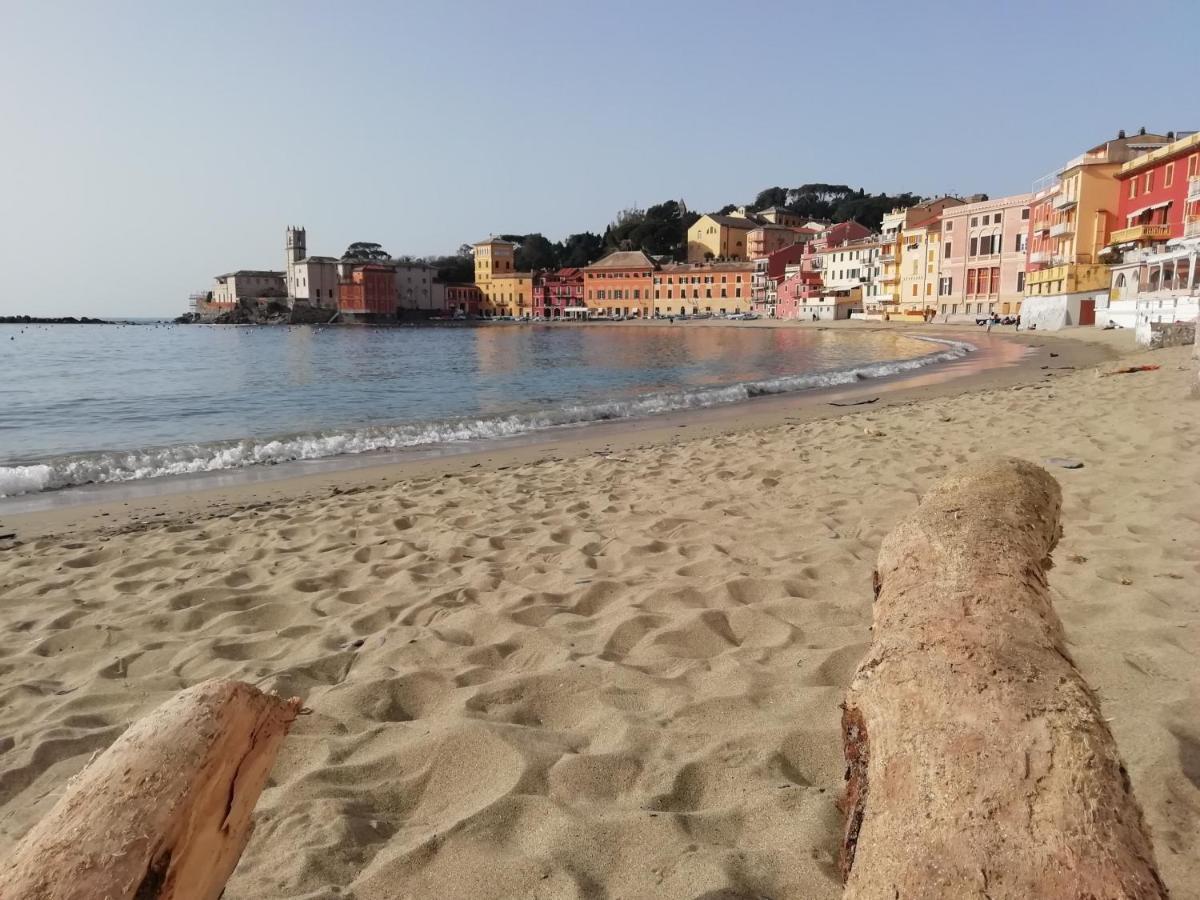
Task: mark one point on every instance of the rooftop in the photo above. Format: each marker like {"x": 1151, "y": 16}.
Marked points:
{"x": 625, "y": 259}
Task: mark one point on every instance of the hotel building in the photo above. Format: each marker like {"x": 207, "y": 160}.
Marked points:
{"x": 982, "y": 266}
{"x": 620, "y": 284}
{"x": 718, "y": 288}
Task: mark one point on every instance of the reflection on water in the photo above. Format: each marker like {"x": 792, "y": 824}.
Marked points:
{"x": 96, "y": 404}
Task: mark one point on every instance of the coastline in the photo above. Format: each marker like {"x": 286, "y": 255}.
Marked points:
{"x": 994, "y": 364}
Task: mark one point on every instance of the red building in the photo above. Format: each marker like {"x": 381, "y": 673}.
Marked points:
{"x": 1154, "y": 192}
{"x": 463, "y": 299}
{"x": 553, "y": 292}
{"x": 796, "y": 293}
{"x": 369, "y": 292}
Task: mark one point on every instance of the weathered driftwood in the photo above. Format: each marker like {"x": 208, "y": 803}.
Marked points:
{"x": 165, "y": 812}
{"x": 978, "y": 763}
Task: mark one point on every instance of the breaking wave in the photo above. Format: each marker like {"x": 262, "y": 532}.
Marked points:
{"x": 188, "y": 459}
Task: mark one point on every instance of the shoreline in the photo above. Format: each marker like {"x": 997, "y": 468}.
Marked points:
{"x": 138, "y": 503}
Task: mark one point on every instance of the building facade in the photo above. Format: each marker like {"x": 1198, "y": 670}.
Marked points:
{"x": 554, "y": 293}
{"x": 920, "y": 245}
{"x": 981, "y": 271}
{"x": 414, "y": 287}
{"x": 714, "y": 288}
{"x": 620, "y": 285}
{"x": 368, "y": 293}
{"x": 247, "y": 284}
{"x": 767, "y": 274}
{"x": 719, "y": 237}
{"x": 1067, "y": 275}
{"x": 462, "y": 300}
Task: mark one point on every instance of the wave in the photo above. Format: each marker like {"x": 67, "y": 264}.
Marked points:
{"x": 190, "y": 459}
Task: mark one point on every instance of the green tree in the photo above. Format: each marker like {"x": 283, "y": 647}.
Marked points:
{"x": 364, "y": 251}
{"x": 579, "y": 250}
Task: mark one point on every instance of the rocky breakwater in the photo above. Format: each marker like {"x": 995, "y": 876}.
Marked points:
{"x": 55, "y": 320}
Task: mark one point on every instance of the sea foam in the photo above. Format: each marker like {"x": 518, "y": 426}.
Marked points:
{"x": 190, "y": 459}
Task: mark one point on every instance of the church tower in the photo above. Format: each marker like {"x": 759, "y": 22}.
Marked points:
{"x": 296, "y": 251}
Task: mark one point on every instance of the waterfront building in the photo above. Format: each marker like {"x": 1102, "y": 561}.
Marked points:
{"x": 462, "y": 300}
{"x": 313, "y": 280}
{"x": 849, "y": 268}
{"x": 719, "y": 237}
{"x": 1154, "y": 257}
{"x": 506, "y": 292}
{"x": 367, "y": 292}
{"x": 767, "y": 273}
{"x": 798, "y": 294}
{"x": 887, "y": 298}
{"x": 620, "y": 284}
{"x": 554, "y": 293}
{"x": 712, "y": 288}
{"x": 919, "y": 243}
{"x": 982, "y": 261}
{"x": 415, "y": 287}
{"x": 246, "y": 284}
{"x": 1073, "y": 213}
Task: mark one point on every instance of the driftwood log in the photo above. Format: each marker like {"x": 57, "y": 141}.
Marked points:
{"x": 978, "y": 762}
{"x": 165, "y": 812}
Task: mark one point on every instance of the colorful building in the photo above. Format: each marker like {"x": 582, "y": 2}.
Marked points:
{"x": 766, "y": 239}
{"x": 849, "y": 265}
{"x": 919, "y": 248}
{"x": 1152, "y": 193}
{"x": 620, "y": 284}
{"x": 982, "y": 266}
{"x": 368, "y": 293}
{"x": 506, "y": 292}
{"x": 798, "y": 294}
{"x": 713, "y": 288}
{"x": 1072, "y": 217}
{"x": 887, "y": 299}
{"x": 462, "y": 300}
{"x": 768, "y": 272}
{"x": 719, "y": 237}
{"x": 554, "y": 293}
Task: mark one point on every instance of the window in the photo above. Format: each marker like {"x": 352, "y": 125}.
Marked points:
{"x": 974, "y": 221}
{"x": 1169, "y": 175}
{"x": 971, "y": 276}
{"x": 1025, "y": 214}
{"x": 1149, "y": 181}
{"x": 948, "y": 246}
{"x": 950, "y": 226}
{"x": 1020, "y": 242}
{"x": 1020, "y": 282}
{"x": 1132, "y": 188}
{"x": 974, "y": 246}
{"x": 1194, "y": 165}
{"x": 914, "y": 290}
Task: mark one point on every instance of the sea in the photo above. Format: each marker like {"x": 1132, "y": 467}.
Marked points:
{"x": 89, "y": 404}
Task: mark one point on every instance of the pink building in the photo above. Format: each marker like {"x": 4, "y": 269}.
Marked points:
{"x": 797, "y": 293}
{"x": 981, "y": 270}
{"x": 553, "y": 292}
{"x": 768, "y": 273}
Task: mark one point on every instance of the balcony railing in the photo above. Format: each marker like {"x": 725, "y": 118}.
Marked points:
{"x": 1141, "y": 233}
{"x": 888, "y": 278}
{"x": 887, "y": 256}
{"x": 1062, "y": 201}
{"x": 816, "y": 263}
{"x": 1062, "y": 228}
{"x": 1038, "y": 257}
{"x": 1194, "y": 188}
{"x": 1191, "y": 228}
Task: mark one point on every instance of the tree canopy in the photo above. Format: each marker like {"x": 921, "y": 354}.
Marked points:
{"x": 835, "y": 202}
{"x": 365, "y": 251}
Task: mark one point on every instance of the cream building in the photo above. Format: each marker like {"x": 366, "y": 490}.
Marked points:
{"x": 414, "y": 286}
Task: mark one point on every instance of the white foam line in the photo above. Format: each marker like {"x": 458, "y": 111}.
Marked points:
{"x": 186, "y": 459}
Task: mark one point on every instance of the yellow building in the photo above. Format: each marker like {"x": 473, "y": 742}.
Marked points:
{"x": 1071, "y": 221}
{"x": 718, "y": 288}
{"x": 506, "y": 292}
{"x": 719, "y": 237}
{"x": 920, "y": 244}
{"x": 890, "y": 251}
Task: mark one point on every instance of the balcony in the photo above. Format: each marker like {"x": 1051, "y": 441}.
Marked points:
{"x": 816, "y": 263}
{"x": 1062, "y": 201}
{"x": 1141, "y": 233}
{"x": 1039, "y": 256}
{"x": 1062, "y": 228}
{"x": 1191, "y": 228}
{"x": 888, "y": 278}
{"x": 1194, "y": 188}
{"x": 887, "y": 256}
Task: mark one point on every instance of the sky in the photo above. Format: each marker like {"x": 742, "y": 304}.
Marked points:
{"x": 146, "y": 147}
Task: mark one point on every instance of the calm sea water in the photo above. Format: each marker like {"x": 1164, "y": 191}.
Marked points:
{"x": 82, "y": 404}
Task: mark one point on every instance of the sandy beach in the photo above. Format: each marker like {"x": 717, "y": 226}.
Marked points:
{"x": 607, "y": 665}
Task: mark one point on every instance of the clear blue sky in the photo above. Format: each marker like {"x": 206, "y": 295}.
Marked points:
{"x": 148, "y": 146}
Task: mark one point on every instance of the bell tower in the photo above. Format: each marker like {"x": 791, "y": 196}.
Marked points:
{"x": 296, "y": 251}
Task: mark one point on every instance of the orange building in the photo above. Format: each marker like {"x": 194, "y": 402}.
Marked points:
{"x": 716, "y": 288}
{"x": 767, "y": 238}
{"x": 620, "y": 284}
{"x": 369, "y": 293}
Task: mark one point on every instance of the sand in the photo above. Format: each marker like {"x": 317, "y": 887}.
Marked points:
{"x": 616, "y": 674}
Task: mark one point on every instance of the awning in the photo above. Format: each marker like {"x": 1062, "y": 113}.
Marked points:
{"x": 1146, "y": 209}
{"x": 579, "y": 309}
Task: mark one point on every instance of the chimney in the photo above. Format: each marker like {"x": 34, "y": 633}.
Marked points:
{"x": 1142, "y": 130}
{"x": 1170, "y": 135}
{"x": 1121, "y": 134}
